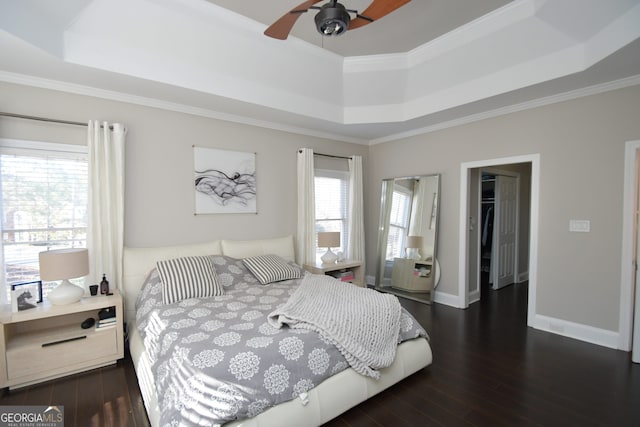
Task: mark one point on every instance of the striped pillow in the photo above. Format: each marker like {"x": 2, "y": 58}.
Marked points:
{"x": 271, "y": 268}
{"x": 188, "y": 277}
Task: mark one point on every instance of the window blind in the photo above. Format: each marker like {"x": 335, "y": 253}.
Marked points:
{"x": 398, "y": 224}
{"x": 332, "y": 204}
{"x": 44, "y": 206}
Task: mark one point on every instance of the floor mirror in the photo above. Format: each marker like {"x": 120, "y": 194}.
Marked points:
{"x": 407, "y": 264}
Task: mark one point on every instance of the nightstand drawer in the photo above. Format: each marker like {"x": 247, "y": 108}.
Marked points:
{"x": 60, "y": 352}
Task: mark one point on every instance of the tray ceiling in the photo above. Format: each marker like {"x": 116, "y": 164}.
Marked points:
{"x": 410, "y": 26}
{"x": 426, "y": 65}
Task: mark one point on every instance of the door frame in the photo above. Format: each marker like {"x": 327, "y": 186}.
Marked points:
{"x": 625, "y": 326}
{"x": 463, "y": 231}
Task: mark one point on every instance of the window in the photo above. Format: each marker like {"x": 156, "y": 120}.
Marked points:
{"x": 332, "y": 204}
{"x": 43, "y": 204}
{"x": 398, "y": 222}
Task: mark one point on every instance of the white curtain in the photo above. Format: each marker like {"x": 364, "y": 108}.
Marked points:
{"x": 416, "y": 226}
{"x": 355, "y": 239}
{"x": 306, "y": 238}
{"x": 105, "y": 235}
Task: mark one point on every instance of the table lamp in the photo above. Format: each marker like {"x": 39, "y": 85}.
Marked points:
{"x": 64, "y": 264}
{"x": 412, "y": 248}
{"x": 329, "y": 239}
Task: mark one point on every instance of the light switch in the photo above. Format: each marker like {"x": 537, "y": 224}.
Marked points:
{"x": 579, "y": 225}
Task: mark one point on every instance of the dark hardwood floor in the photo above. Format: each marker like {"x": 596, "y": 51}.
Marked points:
{"x": 107, "y": 396}
{"x": 488, "y": 369}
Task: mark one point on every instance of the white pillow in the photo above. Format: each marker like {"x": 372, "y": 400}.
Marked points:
{"x": 188, "y": 277}
{"x": 271, "y": 268}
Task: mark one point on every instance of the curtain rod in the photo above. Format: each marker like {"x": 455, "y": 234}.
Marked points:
{"x": 328, "y": 155}
{"x": 44, "y": 119}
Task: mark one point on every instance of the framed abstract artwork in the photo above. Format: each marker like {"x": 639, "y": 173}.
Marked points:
{"x": 224, "y": 181}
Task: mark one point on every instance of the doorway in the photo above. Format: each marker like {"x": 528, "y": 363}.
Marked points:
{"x": 498, "y": 232}
{"x": 502, "y": 233}
{"x": 629, "y": 337}
{"x": 635, "y": 351}
{"x": 468, "y": 267}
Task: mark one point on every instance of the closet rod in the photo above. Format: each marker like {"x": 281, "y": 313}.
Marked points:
{"x": 44, "y": 119}
{"x": 328, "y": 155}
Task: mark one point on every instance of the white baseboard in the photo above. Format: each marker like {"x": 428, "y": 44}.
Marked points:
{"x": 577, "y": 331}
{"x": 438, "y": 297}
{"x": 447, "y": 299}
{"x": 474, "y": 296}
{"x": 523, "y": 277}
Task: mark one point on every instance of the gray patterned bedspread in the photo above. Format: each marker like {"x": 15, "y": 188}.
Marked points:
{"x": 218, "y": 359}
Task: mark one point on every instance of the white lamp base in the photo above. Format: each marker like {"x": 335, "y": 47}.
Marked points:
{"x": 65, "y": 293}
{"x": 329, "y": 257}
{"x": 412, "y": 253}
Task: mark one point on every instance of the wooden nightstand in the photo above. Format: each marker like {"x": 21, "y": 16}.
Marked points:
{"x": 340, "y": 268}
{"x": 412, "y": 276}
{"x": 47, "y": 342}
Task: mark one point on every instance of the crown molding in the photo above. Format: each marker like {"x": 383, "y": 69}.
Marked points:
{"x": 77, "y": 89}
{"x": 493, "y": 22}
{"x": 540, "y": 102}
{"x": 376, "y": 63}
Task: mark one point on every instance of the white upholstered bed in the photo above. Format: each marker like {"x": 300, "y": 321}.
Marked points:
{"x": 328, "y": 399}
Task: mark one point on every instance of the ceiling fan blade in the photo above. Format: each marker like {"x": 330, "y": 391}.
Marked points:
{"x": 376, "y": 10}
{"x": 282, "y": 27}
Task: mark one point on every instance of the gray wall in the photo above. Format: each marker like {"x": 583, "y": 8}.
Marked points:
{"x": 581, "y": 147}
{"x": 159, "y": 163}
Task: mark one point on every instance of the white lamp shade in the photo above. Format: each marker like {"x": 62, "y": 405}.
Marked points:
{"x": 329, "y": 239}
{"x": 413, "y": 246}
{"x": 414, "y": 242}
{"x": 64, "y": 264}
{"x": 61, "y": 264}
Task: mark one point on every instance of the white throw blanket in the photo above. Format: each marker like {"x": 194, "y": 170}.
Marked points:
{"x": 362, "y": 323}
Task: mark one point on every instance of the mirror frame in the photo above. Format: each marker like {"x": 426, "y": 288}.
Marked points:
{"x": 382, "y": 226}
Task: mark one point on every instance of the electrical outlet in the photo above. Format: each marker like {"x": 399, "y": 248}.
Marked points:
{"x": 579, "y": 225}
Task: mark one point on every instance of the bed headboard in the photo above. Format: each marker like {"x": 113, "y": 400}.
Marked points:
{"x": 282, "y": 246}
{"x": 137, "y": 262}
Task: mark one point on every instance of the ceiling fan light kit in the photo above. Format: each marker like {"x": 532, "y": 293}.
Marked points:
{"x": 333, "y": 19}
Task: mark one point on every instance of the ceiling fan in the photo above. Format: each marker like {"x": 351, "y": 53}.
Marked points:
{"x": 333, "y": 18}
